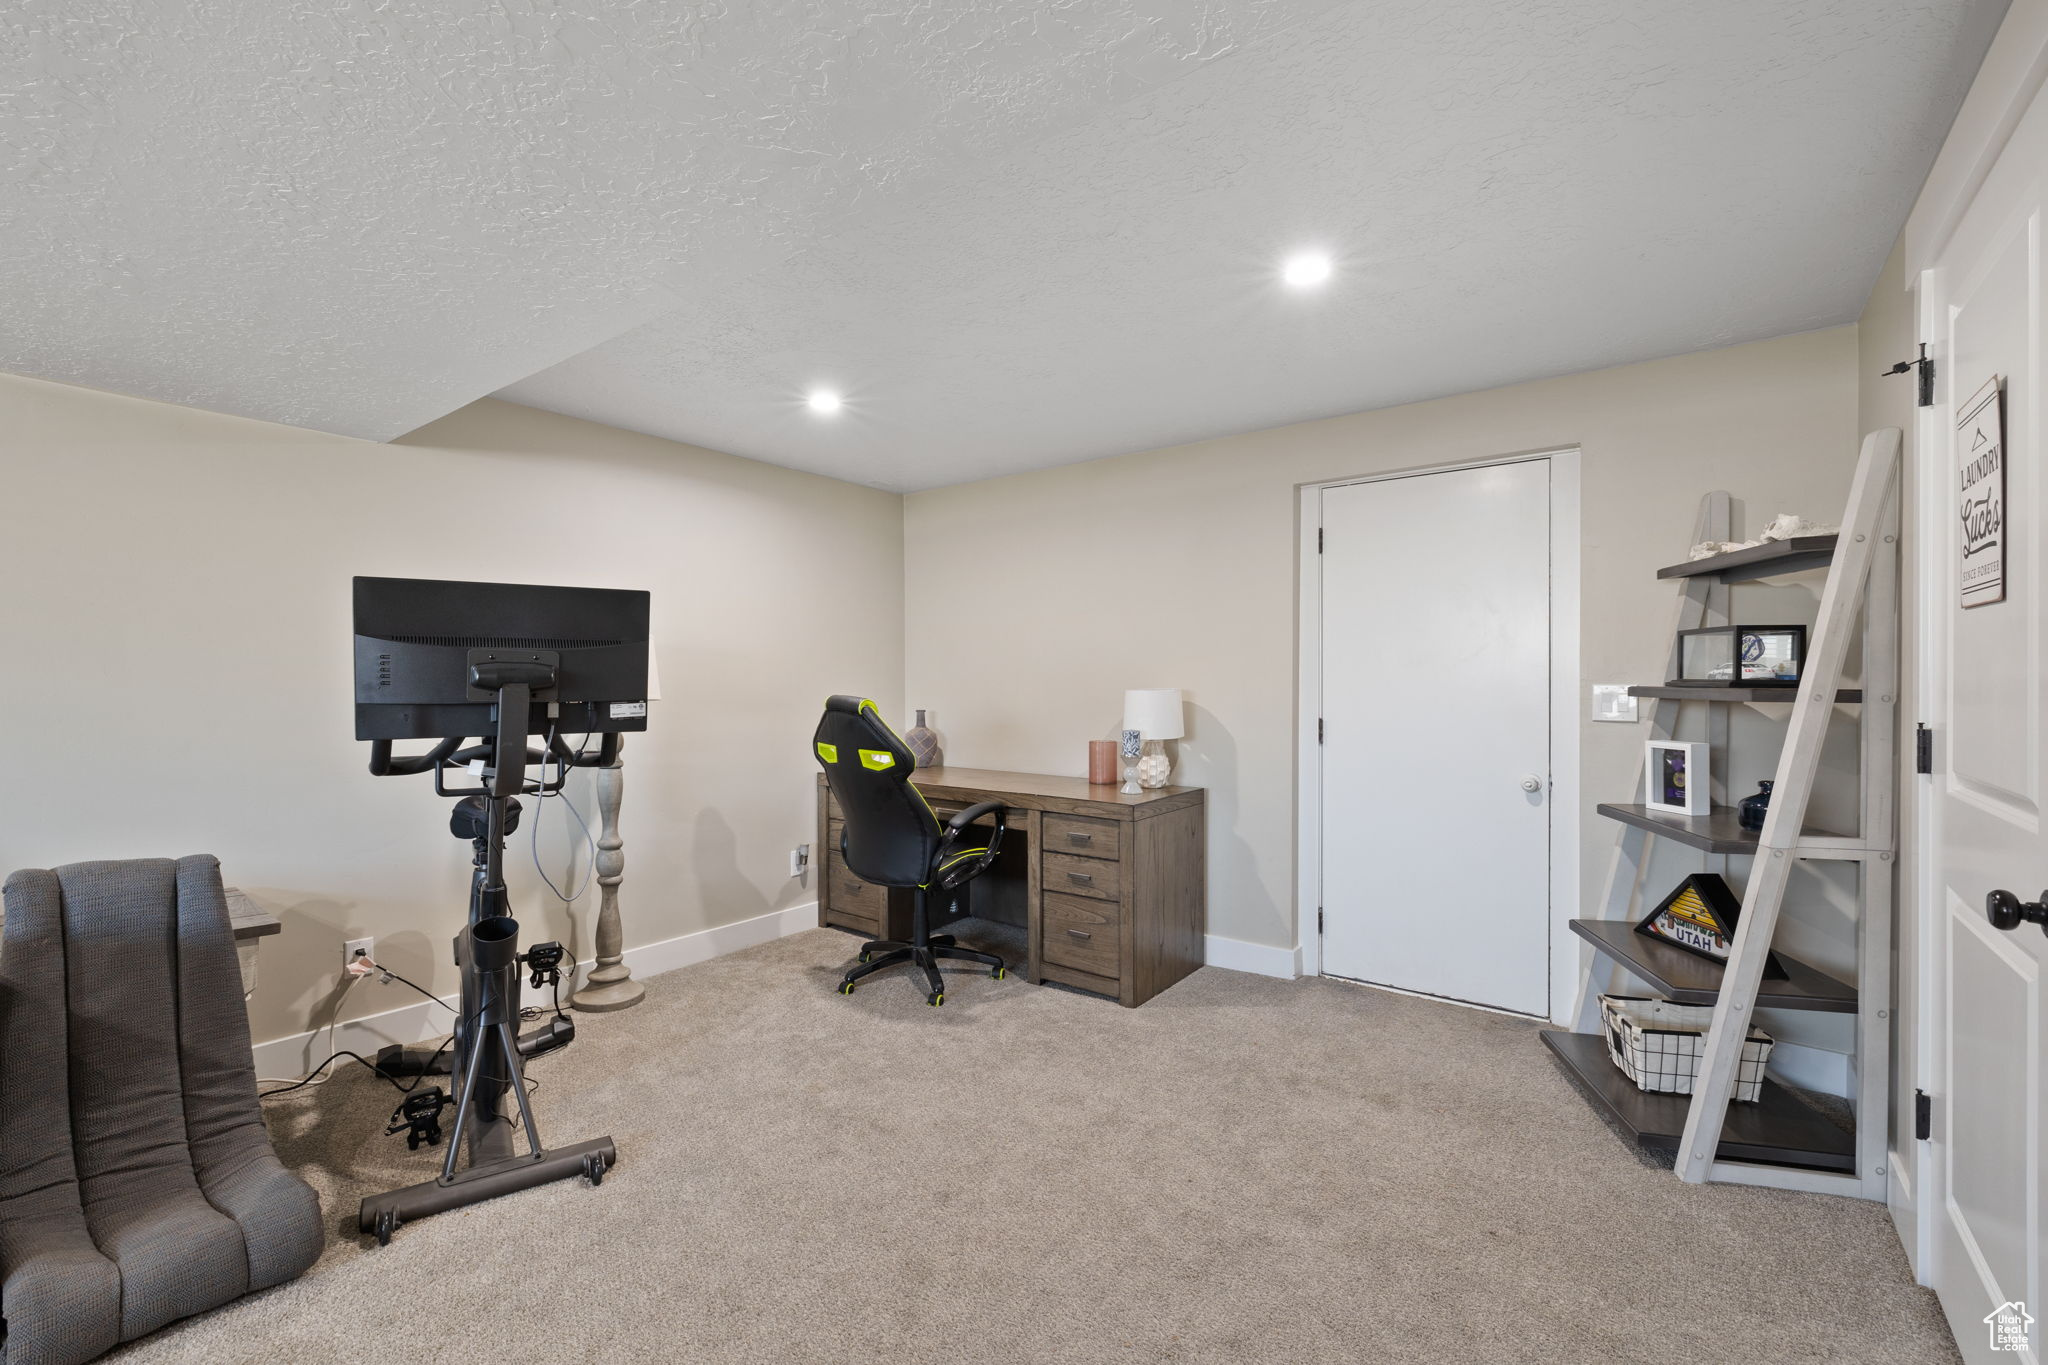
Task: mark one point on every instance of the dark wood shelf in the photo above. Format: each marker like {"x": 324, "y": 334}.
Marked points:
{"x": 1718, "y": 831}
{"x": 1738, "y": 694}
{"x": 1692, "y": 980}
{"x": 1760, "y": 561}
{"x": 1780, "y": 1128}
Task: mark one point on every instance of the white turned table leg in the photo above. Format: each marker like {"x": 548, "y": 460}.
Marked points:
{"x": 610, "y": 985}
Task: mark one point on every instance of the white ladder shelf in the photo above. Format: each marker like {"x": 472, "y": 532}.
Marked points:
{"x": 1778, "y": 1141}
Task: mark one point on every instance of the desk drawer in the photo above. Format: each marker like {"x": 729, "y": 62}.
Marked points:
{"x": 1082, "y": 876}
{"x": 1080, "y": 835}
{"x": 1082, "y": 934}
{"x": 859, "y": 924}
{"x": 848, "y": 894}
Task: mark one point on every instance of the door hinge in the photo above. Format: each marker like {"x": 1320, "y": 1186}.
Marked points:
{"x": 1319, "y": 540}
{"x": 1923, "y": 1115}
{"x": 1923, "y": 748}
{"x": 1319, "y": 729}
{"x": 1925, "y": 364}
{"x": 1319, "y": 919}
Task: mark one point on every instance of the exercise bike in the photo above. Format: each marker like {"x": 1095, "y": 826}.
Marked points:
{"x": 487, "y": 1054}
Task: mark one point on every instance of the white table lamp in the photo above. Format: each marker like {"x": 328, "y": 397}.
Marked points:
{"x": 1155, "y": 712}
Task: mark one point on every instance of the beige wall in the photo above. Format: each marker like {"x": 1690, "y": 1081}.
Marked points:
{"x": 177, "y": 625}
{"x": 1034, "y": 601}
{"x": 192, "y": 546}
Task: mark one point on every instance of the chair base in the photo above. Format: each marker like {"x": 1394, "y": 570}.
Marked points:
{"x": 877, "y": 954}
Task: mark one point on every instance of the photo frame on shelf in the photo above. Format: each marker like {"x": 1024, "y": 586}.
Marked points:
{"x": 1677, "y": 775}
{"x": 1699, "y": 916}
{"x": 1741, "y": 656}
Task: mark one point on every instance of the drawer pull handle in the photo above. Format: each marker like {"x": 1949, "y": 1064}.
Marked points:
{"x": 1086, "y": 879}
{"x": 1080, "y": 933}
{"x": 1074, "y": 838}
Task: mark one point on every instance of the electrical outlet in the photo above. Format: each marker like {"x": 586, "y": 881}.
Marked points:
{"x": 799, "y": 860}
{"x": 366, "y": 946}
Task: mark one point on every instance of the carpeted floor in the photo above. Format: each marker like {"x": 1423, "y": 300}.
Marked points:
{"x": 1242, "y": 1170}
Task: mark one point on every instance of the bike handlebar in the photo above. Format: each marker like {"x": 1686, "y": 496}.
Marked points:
{"x": 384, "y": 764}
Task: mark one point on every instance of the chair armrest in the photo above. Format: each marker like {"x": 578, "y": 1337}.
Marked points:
{"x": 950, "y": 868}
{"x": 973, "y": 813}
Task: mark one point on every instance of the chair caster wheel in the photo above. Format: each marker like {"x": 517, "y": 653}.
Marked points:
{"x": 866, "y": 956}
{"x": 999, "y": 973}
{"x": 593, "y": 1168}
{"x": 387, "y": 1223}
{"x": 935, "y": 998}
{"x": 846, "y": 988}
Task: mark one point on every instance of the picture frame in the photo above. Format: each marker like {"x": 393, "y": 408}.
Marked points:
{"x": 1699, "y": 917}
{"x": 1677, "y": 776}
{"x": 1741, "y": 656}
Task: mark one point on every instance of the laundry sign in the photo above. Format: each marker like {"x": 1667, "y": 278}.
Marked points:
{"x": 1980, "y": 451}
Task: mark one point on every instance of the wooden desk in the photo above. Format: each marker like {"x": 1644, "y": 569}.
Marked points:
{"x": 1110, "y": 889}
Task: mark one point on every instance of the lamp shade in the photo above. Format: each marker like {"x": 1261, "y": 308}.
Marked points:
{"x": 1154, "y": 712}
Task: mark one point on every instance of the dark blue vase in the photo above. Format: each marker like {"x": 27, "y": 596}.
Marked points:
{"x": 1751, "y": 809}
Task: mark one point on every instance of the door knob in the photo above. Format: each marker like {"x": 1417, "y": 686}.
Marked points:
{"x": 2007, "y": 911}
{"x": 1532, "y": 783}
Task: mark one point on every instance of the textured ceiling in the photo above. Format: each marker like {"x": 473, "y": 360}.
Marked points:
{"x": 357, "y": 215}
{"x": 1012, "y": 235}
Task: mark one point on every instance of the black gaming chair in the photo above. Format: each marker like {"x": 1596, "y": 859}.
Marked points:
{"x": 892, "y": 837}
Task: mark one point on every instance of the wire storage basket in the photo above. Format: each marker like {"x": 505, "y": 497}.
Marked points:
{"x": 1657, "y": 1045}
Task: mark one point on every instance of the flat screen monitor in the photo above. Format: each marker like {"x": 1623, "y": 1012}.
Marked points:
{"x": 415, "y": 638}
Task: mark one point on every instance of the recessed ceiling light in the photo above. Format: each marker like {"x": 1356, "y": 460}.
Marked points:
{"x": 824, "y": 402}
{"x": 1306, "y": 270}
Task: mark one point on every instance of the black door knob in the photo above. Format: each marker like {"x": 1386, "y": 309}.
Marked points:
{"x": 2007, "y": 911}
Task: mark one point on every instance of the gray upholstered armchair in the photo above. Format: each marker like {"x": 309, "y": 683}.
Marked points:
{"x": 137, "y": 1183}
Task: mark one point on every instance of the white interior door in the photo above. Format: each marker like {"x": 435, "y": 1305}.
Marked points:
{"x": 1983, "y": 308}
{"x": 1436, "y": 738}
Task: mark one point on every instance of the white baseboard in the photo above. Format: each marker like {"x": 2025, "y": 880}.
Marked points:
{"x": 1257, "y": 958}
{"x": 294, "y": 1056}
{"x": 1815, "y": 1068}
{"x": 1904, "y": 1206}
{"x": 652, "y": 959}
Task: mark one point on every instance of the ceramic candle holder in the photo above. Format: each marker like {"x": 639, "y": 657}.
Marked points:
{"x": 1101, "y": 762}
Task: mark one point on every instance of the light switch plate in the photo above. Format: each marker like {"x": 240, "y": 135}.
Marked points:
{"x": 1611, "y": 702}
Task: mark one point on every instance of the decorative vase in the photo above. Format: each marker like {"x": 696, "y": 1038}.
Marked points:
{"x": 1750, "y": 811}
{"x": 1101, "y": 762}
{"x": 923, "y": 744}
